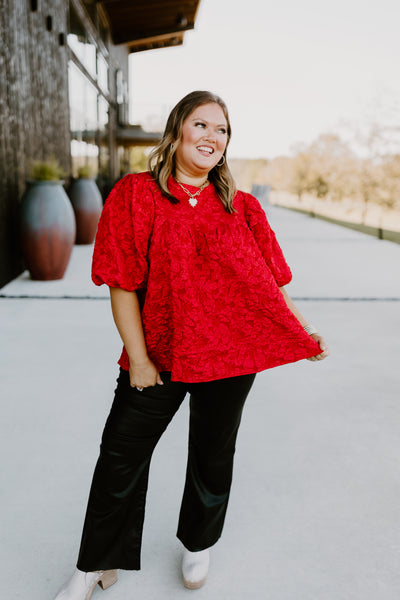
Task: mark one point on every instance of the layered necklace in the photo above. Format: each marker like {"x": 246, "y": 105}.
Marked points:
{"x": 193, "y": 197}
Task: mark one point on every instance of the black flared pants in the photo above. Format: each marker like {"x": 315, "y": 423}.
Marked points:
{"x": 112, "y": 531}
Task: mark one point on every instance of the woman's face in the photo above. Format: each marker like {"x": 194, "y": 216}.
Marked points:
{"x": 203, "y": 141}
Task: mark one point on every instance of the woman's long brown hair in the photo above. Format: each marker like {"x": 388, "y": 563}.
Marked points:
{"x": 162, "y": 157}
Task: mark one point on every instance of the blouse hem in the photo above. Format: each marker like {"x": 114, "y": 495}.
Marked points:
{"x": 226, "y": 375}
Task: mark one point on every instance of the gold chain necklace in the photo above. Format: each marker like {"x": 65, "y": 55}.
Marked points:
{"x": 193, "y": 197}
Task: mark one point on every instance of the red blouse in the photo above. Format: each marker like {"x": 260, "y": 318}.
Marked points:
{"x": 207, "y": 280}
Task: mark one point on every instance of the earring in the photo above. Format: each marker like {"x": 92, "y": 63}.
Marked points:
{"x": 223, "y": 161}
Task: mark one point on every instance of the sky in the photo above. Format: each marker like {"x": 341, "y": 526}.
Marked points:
{"x": 288, "y": 70}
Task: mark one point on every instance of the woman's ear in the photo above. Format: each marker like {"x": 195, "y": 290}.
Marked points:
{"x": 174, "y": 145}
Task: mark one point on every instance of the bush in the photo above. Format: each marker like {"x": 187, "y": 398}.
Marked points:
{"x": 86, "y": 172}
{"x": 47, "y": 170}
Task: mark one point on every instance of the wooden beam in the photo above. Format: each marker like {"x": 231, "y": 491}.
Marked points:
{"x": 139, "y": 47}
{"x": 131, "y": 37}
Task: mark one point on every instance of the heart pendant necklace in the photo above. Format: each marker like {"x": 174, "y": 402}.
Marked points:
{"x": 193, "y": 197}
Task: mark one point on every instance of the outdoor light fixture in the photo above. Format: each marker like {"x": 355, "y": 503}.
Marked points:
{"x": 181, "y": 20}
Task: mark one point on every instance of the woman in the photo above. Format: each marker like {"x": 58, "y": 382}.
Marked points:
{"x": 196, "y": 281}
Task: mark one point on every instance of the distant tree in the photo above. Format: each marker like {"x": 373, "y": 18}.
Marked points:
{"x": 320, "y": 187}
{"x": 301, "y": 176}
{"x": 278, "y": 172}
{"x": 138, "y": 159}
{"x": 390, "y": 177}
{"x": 334, "y": 167}
{"x": 377, "y": 138}
{"x": 248, "y": 172}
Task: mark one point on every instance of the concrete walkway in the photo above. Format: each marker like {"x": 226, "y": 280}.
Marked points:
{"x": 315, "y": 505}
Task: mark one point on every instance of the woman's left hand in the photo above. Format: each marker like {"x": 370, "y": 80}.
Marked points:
{"x": 323, "y": 345}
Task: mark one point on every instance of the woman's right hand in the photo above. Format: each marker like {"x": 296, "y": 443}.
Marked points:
{"x": 127, "y": 316}
{"x": 144, "y": 374}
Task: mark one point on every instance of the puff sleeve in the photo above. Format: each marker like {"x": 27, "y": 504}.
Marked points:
{"x": 122, "y": 240}
{"x": 266, "y": 240}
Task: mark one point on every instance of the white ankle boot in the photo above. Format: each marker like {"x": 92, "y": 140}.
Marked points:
{"x": 195, "y": 568}
{"x": 81, "y": 584}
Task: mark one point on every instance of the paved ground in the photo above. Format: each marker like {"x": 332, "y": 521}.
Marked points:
{"x": 314, "y": 512}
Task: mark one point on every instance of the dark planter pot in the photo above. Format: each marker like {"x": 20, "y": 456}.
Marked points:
{"x": 87, "y": 204}
{"x": 47, "y": 229}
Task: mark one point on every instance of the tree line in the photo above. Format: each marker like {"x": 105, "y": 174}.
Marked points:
{"x": 328, "y": 168}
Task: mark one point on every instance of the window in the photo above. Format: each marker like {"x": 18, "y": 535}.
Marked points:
{"x": 89, "y": 106}
{"x": 80, "y": 43}
{"x": 102, "y": 72}
{"x": 89, "y": 123}
{"x": 122, "y": 98}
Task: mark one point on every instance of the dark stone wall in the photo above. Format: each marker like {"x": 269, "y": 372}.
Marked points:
{"x": 34, "y": 114}
{"x": 34, "y": 105}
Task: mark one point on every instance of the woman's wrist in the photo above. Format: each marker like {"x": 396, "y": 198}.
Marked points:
{"x": 139, "y": 361}
{"x": 310, "y": 329}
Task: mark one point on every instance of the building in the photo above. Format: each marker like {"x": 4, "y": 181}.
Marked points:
{"x": 64, "y": 90}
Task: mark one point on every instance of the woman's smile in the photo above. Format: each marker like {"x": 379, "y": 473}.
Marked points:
{"x": 205, "y": 150}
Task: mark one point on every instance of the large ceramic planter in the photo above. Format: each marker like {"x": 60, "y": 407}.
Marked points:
{"x": 47, "y": 229}
{"x": 87, "y": 204}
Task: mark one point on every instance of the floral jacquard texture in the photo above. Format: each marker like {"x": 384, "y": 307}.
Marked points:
{"x": 208, "y": 281}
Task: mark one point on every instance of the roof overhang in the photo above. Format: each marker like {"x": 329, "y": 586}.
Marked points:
{"x": 127, "y": 136}
{"x": 134, "y": 135}
{"x": 148, "y": 24}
